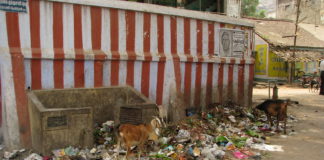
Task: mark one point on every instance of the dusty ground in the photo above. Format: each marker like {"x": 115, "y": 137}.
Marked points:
{"x": 308, "y": 143}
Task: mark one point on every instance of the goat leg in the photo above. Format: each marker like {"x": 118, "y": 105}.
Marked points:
{"x": 285, "y": 125}
{"x": 278, "y": 117}
{"x": 269, "y": 119}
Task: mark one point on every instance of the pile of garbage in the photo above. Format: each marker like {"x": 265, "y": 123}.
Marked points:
{"x": 221, "y": 132}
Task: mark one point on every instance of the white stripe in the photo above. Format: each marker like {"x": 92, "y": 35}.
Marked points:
{"x": 122, "y": 72}
{"x": 27, "y": 73}
{"x": 24, "y": 31}
{"x": 235, "y": 83}
{"x": 246, "y": 84}
{"x": 168, "y": 82}
{"x": 137, "y": 75}
{"x": 46, "y": 29}
{"x": 216, "y": 38}
{"x": 182, "y": 70}
{"x": 205, "y": 38}
{"x": 193, "y": 84}
{"x": 154, "y": 37}
{"x": 105, "y": 30}
{"x": 68, "y": 74}
{"x": 225, "y": 83}
{"x": 180, "y": 36}
{"x": 167, "y": 35}
{"x": 122, "y": 31}
{"x": 139, "y": 33}
{"x": 203, "y": 85}
{"x": 47, "y": 74}
{"x": 86, "y": 27}
{"x": 10, "y": 118}
{"x": 215, "y": 83}
{"x": 89, "y": 73}
{"x": 153, "y": 80}
{"x": 68, "y": 27}
{"x": 193, "y": 37}
{"x": 3, "y": 31}
{"x": 106, "y": 73}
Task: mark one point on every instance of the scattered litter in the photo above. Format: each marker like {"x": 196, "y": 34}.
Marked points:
{"x": 183, "y": 136}
{"x": 34, "y": 156}
{"x": 266, "y": 147}
{"x": 220, "y": 132}
{"x": 239, "y": 155}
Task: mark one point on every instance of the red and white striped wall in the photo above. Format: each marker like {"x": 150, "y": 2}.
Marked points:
{"x": 74, "y": 45}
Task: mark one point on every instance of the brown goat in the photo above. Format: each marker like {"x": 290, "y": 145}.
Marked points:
{"x": 137, "y": 135}
{"x": 277, "y": 108}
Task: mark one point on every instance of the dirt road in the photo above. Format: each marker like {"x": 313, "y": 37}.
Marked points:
{"x": 308, "y": 143}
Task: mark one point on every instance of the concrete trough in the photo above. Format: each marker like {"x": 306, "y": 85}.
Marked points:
{"x": 64, "y": 117}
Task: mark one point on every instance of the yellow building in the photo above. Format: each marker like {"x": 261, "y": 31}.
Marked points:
{"x": 274, "y": 50}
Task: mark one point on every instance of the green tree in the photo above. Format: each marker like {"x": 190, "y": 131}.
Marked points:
{"x": 249, "y": 8}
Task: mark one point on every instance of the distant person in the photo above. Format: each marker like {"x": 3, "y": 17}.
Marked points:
{"x": 322, "y": 77}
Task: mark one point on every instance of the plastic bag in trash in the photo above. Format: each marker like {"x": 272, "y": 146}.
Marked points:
{"x": 34, "y": 156}
{"x": 183, "y": 136}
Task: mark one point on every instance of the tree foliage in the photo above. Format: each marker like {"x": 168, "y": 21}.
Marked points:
{"x": 249, "y": 8}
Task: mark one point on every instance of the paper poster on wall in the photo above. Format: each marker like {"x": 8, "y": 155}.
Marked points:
{"x": 232, "y": 43}
{"x": 277, "y": 66}
{"x": 261, "y": 59}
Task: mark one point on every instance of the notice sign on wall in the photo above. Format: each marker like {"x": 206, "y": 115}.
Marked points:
{"x": 238, "y": 43}
{"x": 13, "y": 5}
{"x": 233, "y": 43}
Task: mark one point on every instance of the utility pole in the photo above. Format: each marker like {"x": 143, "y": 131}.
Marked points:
{"x": 292, "y": 71}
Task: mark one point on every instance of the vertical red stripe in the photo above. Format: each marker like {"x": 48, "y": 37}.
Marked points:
{"x": 240, "y": 92}
{"x": 145, "y": 78}
{"x": 114, "y": 29}
{"x": 251, "y": 75}
{"x": 35, "y": 43}
{"x": 220, "y": 82}
{"x": 174, "y": 52}
{"x": 98, "y": 73}
{"x": 187, "y": 36}
{"x": 77, "y": 27}
{"x": 130, "y": 45}
{"x": 147, "y": 32}
{"x": 187, "y": 82}
{"x": 78, "y": 64}
{"x": 198, "y": 84}
{"x": 114, "y": 77}
{"x": 96, "y": 27}
{"x": 230, "y": 79}
{"x": 114, "y": 39}
{"x": 58, "y": 45}
{"x": 130, "y": 73}
{"x": 198, "y": 66}
{"x": 17, "y": 61}
{"x": 96, "y": 44}
{"x": 160, "y": 31}
{"x": 209, "y": 85}
{"x": 160, "y": 82}
{"x": 130, "y": 31}
{"x": 173, "y": 35}
{"x": 34, "y": 23}
{"x": 211, "y": 38}
{"x": 199, "y": 37}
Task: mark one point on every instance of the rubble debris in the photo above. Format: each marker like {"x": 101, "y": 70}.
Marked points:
{"x": 266, "y": 147}
{"x": 34, "y": 156}
{"x": 226, "y": 131}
